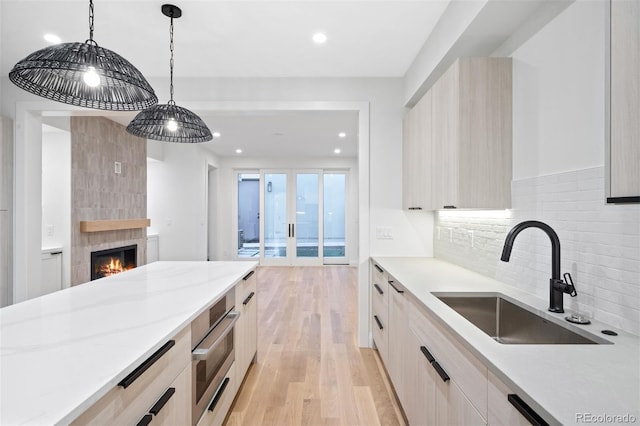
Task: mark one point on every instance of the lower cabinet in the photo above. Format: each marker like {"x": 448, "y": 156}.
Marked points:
{"x": 246, "y": 329}
{"x": 453, "y": 407}
{"x": 137, "y": 394}
{"x": 169, "y": 409}
{"x": 502, "y": 410}
{"x": 219, "y": 407}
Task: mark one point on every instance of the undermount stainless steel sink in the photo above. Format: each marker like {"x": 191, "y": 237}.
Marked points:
{"x": 509, "y": 323}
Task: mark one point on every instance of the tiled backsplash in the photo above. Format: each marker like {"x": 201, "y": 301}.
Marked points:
{"x": 600, "y": 244}
{"x": 98, "y": 193}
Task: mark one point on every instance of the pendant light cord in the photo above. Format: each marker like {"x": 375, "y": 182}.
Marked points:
{"x": 90, "y": 41}
{"x": 171, "y": 101}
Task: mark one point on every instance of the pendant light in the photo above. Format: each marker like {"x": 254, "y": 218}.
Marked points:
{"x": 170, "y": 122}
{"x": 84, "y": 74}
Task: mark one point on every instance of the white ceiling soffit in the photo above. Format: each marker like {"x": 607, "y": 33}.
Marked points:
{"x": 278, "y": 134}
{"x": 366, "y": 38}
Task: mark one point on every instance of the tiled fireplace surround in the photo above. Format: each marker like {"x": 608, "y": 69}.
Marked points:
{"x": 98, "y": 193}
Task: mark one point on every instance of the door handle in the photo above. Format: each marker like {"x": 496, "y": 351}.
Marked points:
{"x": 293, "y": 230}
{"x": 289, "y": 233}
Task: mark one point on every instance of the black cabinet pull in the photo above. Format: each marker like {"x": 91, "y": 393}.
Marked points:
{"x": 378, "y": 268}
{"x": 293, "y": 230}
{"x": 216, "y": 398}
{"x": 415, "y": 208}
{"x": 377, "y": 287}
{"x": 145, "y": 420}
{"x": 427, "y": 354}
{"x": 443, "y": 374}
{"x": 395, "y": 288}
{"x": 246, "y": 277}
{"x": 289, "y": 234}
{"x": 249, "y": 297}
{"x": 375, "y": 317}
{"x": 449, "y": 207}
{"x": 526, "y": 411}
{"x": 162, "y": 401}
{"x": 127, "y": 381}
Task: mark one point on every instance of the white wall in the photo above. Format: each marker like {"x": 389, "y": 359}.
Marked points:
{"x": 56, "y": 196}
{"x": 558, "y": 94}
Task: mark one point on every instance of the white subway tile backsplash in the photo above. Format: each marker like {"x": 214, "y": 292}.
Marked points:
{"x": 600, "y": 244}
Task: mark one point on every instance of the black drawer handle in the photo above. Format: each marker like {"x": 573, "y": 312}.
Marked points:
{"x": 249, "y": 297}
{"x": 443, "y": 374}
{"x": 526, "y": 411}
{"x": 145, "y": 420}
{"x": 127, "y": 381}
{"x": 395, "y": 288}
{"x": 378, "y": 268}
{"x": 427, "y": 354}
{"x": 375, "y": 317}
{"x": 246, "y": 277}
{"x": 415, "y": 208}
{"x": 216, "y": 398}
{"x": 449, "y": 207}
{"x": 377, "y": 287}
{"x": 162, "y": 401}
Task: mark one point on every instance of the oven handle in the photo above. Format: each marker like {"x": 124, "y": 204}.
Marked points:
{"x": 203, "y": 353}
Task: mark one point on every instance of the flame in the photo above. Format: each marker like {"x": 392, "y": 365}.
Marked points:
{"x": 114, "y": 266}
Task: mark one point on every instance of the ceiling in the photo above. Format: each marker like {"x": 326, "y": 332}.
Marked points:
{"x": 366, "y": 38}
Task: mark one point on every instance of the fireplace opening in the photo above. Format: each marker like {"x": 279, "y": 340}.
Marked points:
{"x": 113, "y": 261}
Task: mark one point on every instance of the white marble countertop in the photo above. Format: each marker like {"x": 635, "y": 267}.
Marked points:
{"x": 61, "y": 352}
{"x": 558, "y": 381}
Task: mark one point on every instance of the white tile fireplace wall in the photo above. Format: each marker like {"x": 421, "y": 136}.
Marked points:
{"x": 98, "y": 193}
{"x": 600, "y": 244}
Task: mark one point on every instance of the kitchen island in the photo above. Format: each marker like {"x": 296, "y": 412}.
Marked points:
{"x": 61, "y": 353}
{"x": 562, "y": 383}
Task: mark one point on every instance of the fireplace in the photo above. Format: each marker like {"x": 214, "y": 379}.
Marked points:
{"x": 113, "y": 261}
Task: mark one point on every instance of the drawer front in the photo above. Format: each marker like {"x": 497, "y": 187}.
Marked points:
{"x": 224, "y": 397}
{"x": 501, "y": 411}
{"x": 177, "y": 409}
{"x": 128, "y": 405}
{"x": 380, "y": 305}
{"x": 380, "y": 336}
{"x": 244, "y": 288}
{"x": 380, "y": 279}
{"x": 463, "y": 368}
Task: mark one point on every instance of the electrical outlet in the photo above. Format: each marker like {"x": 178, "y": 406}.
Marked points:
{"x": 117, "y": 167}
{"x": 388, "y": 233}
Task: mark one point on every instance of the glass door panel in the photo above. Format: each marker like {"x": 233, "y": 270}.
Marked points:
{"x": 276, "y": 222}
{"x": 306, "y": 225}
{"x": 334, "y": 217}
{"x": 248, "y": 215}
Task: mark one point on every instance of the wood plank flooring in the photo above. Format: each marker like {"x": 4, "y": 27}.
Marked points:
{"x": 310, "y": 370}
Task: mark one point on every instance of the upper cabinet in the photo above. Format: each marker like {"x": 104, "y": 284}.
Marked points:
{"x": 624, "y": 144}
{"x": 416, "y": 156}
{"x": 466, "y": 140}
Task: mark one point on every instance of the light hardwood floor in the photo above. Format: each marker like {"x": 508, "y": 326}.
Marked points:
{"x": 310, "y": 370}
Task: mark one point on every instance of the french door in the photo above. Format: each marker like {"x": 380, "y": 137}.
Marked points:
{"x": 292, "y": 217}
{"x": 291, "y": 222}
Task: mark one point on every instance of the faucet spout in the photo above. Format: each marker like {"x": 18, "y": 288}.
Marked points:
{"x": 556, "y": 285}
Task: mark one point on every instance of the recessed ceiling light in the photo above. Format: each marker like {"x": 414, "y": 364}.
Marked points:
{"x": 238, "y": 151}
{"x": 319, "y": 38}
{"x": 337, "y": 151}
{"x": 52, "y": 38}
{"x": 216, "y": 134}
{"x": 342, "y": 135}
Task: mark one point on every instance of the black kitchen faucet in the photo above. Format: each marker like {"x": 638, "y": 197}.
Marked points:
{"x": 557, "y": 287}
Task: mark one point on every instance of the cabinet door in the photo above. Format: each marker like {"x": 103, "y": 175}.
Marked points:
{"x": 625, "y": 99}
{"x": 445, "y": 122}
{"x": 453, "y": 407}
{"x": 416, "y": 155}
{"x": 51, "y": 274}
{"x": 223, "y": 399}
{"x": 398, "y": 367}
{"x": 501, "y": 411}
{"x": 420, "y": 406}
{"x": 245, "y": 330}
{"x": 176, "y": 409}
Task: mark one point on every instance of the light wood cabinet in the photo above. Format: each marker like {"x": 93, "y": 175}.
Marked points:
{"x": 380, "y": 311}
{"x": 130, "y": 401}
{"x": 453, "y": 408}
{"x": 624, "y": 144}
{"x": 503, "y": 412}
{"x": 173, "y": 406}
{"x": 246, "y": 329}
{"x": 420, "y": 405}
{"x": 457, "y": 139}
{"x": 51, "y": 270}
{"x": 416, "y": 156}
{"x": 398, "y": 367}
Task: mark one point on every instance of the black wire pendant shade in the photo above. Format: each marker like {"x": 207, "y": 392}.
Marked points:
{"x": 170, "y": 122}
{"x": 84, "y": 74}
